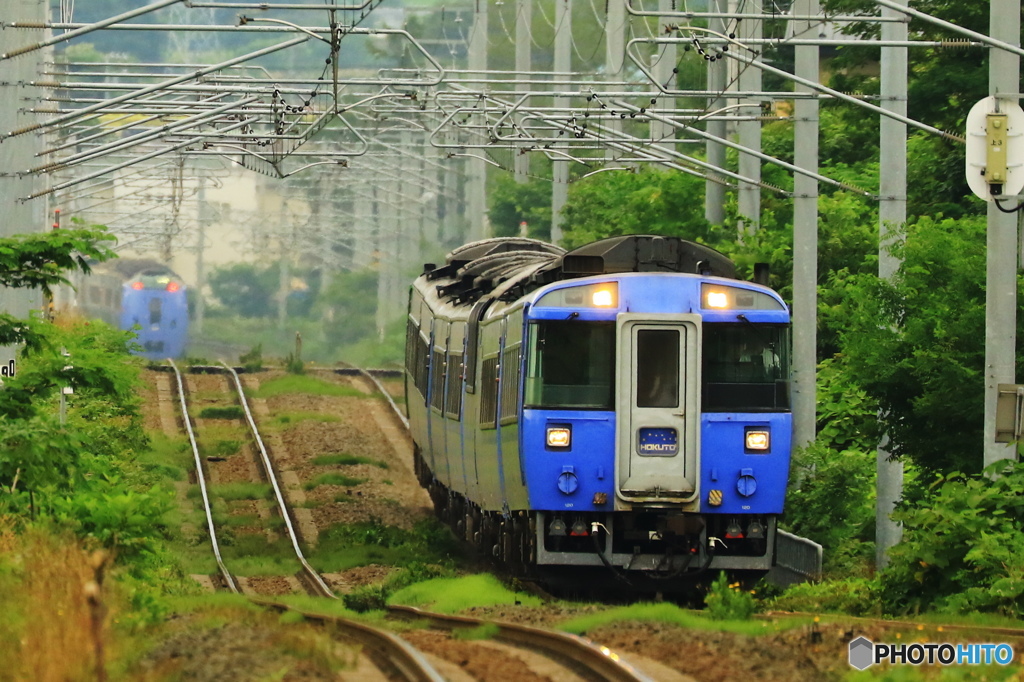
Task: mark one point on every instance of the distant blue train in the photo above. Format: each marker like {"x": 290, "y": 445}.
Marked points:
{"x": 126, "y": 293}
{"x": 625, "y": 405}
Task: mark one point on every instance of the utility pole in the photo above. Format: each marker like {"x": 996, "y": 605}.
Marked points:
{"x": 664, "y": 70}
{"x": 524, "y": 64}
{"x": 892, "y": 214}
{"x": 1001, "y": 268}
{"x": 614, "y": 55}
{"x": 563, "y": 65}
{"x": 714, "y": 192}
{"x": 805, "y": 234}
{"x": 476, "y": 168}
{"x": 750, "y": 134}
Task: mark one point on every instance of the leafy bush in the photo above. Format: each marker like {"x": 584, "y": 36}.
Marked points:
{"x": 125, "y": 521}
{"x": 962, "y": 548}
{"x": 729, "y": 601}
{"x": 853, "y": 596}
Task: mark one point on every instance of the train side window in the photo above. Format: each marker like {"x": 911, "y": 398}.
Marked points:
{"x": 489, "y": 393}
{"x": 155, "y": 311}
{"x": 437, "y": 366}
{"x": 453, "y": 399}
{"x": 510, "y": 383}
{"x": 657, "y": 368}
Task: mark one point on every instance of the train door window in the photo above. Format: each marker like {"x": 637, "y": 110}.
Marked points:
{"x": 155, "y": 311}
{"x": 657, "y": 368}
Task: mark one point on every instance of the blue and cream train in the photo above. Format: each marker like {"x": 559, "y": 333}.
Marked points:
{"x": 127, "y": 293}
{"x": 624, "y": 404}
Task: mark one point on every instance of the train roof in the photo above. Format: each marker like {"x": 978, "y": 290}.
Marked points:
{"x": 132, "y": 267}
{"x": 519, "y": 266}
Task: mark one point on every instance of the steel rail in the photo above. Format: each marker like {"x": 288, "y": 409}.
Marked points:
{"x": 201, "y": 478}
{"x": 314, "y": 578}
{"x": 387, "y": 649}
{"x": 597, "y": 662}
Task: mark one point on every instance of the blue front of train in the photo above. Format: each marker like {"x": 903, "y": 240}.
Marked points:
{"x": 656, "y": 429}
{"x": 155, "y": 306}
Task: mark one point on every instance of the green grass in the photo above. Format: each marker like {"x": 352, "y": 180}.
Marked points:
{"x": 226, "y": 412}
{"x": 334, "y": 479}
{"x": 303, "y": 383}
{"x": 286, "y": 418}
{"x": 673, "y": 615}
{"x": 344, "y": 546}
{"x": 223, "y": 448}
{"x": 168, "y": 458}
{"x": 341, "y": 459}
{"x": 241, "y": 491}
{"x": 251, "y": 554}
{"x": 451, "y": 595}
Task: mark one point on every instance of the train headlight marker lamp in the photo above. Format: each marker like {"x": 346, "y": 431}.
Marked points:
{"x": 757, "y": 440}
{"x": 138, "y": 286}
{"x": 559, "y": 436}
{"x": 173, "y": 287}
{"x": 717, "y": 299}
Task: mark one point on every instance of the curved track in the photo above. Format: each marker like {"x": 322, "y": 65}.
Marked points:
{"x": 395, "y": 657}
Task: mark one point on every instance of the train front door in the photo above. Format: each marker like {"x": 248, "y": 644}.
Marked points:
{"x": 658, "y": 406}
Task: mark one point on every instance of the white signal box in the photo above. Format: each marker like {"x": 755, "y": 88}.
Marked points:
{"x": 995, "y": 148}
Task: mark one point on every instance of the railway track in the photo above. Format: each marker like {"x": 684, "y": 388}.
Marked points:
{"x": 396, "y": 658}
{"x": 575, "y": 657}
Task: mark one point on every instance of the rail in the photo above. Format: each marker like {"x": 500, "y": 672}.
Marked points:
{"x": 229, "y": 579}
{"x": 593, "y": 661}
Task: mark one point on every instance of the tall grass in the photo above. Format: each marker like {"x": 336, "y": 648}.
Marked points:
{"x": 46, "y": 629}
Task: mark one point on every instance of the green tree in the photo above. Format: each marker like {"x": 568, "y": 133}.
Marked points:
{"x": 39, "y": 261}
{"x": 513, "y": 203}
{"x": 914, "y": 345}
{"x": 246, "y": 289}
{"x": 649, "y": 201}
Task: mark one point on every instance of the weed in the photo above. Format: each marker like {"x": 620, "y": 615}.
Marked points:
{"x": 281, "y": 419}
{"x": 366, "y": 598}
{"x": 293, "y": 364}
{"x": 292, "y": 383}
{"x": 334, "y": 479}
{"x": 242, "y": 491}
{"x": 225, "y": 448}
{"x": 226, "y": 412}
{"x": 253, "y": 360}
{"x": 482, "y": 631}
{"x": 729, "y": 601}
{"x": 450, "y": 595}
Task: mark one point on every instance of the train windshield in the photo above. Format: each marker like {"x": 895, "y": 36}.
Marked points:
{"x": 571, "y": 365}
{"x": 745, "y": 367}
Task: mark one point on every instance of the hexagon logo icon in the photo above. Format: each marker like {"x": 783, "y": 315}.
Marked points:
{"x": 862, "y": 653}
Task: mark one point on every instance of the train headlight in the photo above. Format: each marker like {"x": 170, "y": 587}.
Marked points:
{"x": 559, "y": 436}
{"x": 604, "y": 298}
{"x": 716, "y": 299}
{"x": 757, "y": 439}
